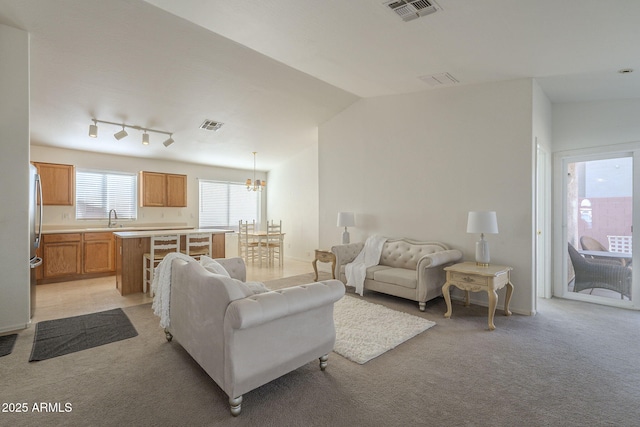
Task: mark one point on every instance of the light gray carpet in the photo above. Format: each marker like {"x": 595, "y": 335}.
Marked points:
{"x": 573, "y": 364}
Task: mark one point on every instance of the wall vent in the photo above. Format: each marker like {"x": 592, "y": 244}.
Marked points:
{"x": 411, "y": 9}
{"x": 442, "y": 79}
{"x": 211, "y": 125}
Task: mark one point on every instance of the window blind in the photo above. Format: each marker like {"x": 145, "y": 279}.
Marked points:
{"x": 98, "y": 192}
{"x": 224, "y": 204}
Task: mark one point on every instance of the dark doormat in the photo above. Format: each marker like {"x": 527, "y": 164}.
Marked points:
{"x": 63, "y": 336}
{"x": 6, "y": 344}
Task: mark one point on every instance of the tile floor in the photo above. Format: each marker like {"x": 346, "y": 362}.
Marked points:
{"x": 58, "y": 300}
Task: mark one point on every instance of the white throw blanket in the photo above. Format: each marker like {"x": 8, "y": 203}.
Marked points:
{"x": 161, "y": 286}
{"x": 369, "y": 256}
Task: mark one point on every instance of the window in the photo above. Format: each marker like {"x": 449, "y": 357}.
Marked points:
{"x": 224, "y": 204}
{"x": 98, "y": 192}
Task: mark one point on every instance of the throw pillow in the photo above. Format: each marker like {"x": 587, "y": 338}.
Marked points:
{"x": 213, "y": 266}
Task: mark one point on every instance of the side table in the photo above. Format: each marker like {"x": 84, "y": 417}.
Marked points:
{"x": 468, "y": 276}
{"x": 324, "y": 256}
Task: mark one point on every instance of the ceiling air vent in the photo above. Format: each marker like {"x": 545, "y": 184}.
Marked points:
{"x": 411, "y": 9}
{"x": 442, "y": 79}
{"x": 211, "y": 125}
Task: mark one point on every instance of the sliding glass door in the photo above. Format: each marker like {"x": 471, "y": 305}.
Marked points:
{"x": 598, "y": 217}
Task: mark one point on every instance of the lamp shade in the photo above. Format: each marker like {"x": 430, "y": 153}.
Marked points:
{"x": 346, "y": 219}
{"x": 482, "y": 222}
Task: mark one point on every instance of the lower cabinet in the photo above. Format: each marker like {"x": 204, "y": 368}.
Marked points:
{"x": 69, "y": 256}
{"x": 98, "y": 253}
{"x": 61, "y": 254}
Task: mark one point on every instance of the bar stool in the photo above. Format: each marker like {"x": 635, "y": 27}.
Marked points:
{"x": 198, "y": 244}
{"x": 160, "y": 246}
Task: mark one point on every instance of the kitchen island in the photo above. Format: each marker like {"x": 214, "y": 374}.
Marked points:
{"x": 132, "y": 245}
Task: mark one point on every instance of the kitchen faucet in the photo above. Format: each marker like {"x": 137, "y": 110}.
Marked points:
{"x": 115, "y": 214}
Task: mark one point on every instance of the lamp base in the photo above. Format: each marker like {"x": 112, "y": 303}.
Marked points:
{"x": 482, "y": 253}
{"x": 345, "y": 236}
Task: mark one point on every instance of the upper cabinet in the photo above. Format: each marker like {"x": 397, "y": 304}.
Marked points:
{"x": 177, "y": 190}
{"x": 57, "y": 183}
{"x": 161, "y": 189}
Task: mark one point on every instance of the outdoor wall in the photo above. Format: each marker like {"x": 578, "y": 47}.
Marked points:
{"x": 610, "y": 216}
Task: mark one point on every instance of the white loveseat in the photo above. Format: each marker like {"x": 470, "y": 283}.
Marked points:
{"x": 244, "y": 339}
{"x": 407, "y": 268}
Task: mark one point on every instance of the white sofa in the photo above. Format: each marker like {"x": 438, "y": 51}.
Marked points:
{"x": 407, "y": 268}
{"x": 244, "y": 340}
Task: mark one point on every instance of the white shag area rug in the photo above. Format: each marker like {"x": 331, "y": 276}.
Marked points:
{"x": 365, "y": 331}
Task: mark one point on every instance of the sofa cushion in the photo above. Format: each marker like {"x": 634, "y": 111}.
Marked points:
{"x": 397, "y": 276}
{"x": 371, "y": 271}
{"x": 402, "y": 254}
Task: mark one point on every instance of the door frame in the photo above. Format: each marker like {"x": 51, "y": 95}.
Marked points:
{"x": 560, "y": 258}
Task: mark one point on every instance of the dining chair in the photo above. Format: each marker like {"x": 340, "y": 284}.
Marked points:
{"x": 160, "y": 247}
{"x": 198, "y": 244}
{"x": 274, "y": 243}
{"x": 247, "y": 242}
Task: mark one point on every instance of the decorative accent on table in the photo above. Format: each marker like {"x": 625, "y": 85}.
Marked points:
{"x": 482, "y": 222}
{"x": 346, "y": 219}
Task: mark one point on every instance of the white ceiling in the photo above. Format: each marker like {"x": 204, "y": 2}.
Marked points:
{"x": 273, "y": 70}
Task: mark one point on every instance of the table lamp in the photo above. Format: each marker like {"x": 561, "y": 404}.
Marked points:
{"x": 346, "y": 219}
{"x": 482, "y": 222}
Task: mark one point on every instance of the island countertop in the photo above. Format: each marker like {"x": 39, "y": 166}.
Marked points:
{"x": 132, "y": 245}
{"x": 181, "y": 231}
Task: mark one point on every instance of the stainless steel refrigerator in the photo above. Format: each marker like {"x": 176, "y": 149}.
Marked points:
{"x": 35, "y": 228}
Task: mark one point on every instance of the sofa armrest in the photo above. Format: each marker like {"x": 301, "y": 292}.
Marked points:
{"x": 439, "y": 258}
{"x": 235, "y": 267}
{"x": 262, "y": 308}
{"x": 346, "y": 254}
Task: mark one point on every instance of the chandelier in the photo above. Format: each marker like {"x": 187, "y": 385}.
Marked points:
{"x": 256, "y": 184}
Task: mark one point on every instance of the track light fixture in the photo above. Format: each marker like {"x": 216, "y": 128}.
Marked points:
{"x": 93, "y": 129}
{"x": 93, "y": 132}
{"x": 120, "y": 134}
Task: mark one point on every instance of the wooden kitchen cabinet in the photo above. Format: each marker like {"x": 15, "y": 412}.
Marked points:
{"x": 73, "y": 256}
{"x": 61, "y": 255}
{"x": 163, "y": 190}
{"x": 177, "y": 190}
{"x": 153, "y": 189}
{"x": 98, "y": 253}
{"x": 58, "y": 183}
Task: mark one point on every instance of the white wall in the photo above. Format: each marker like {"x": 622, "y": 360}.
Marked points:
{"x": 14, "y": 175}
{"x": 595, "y": 124}
{"x": 414, "y": 165}
{"x": 65, "y": 215}
{"x": 292, "y": 196}
{"x": 542, "y": 125}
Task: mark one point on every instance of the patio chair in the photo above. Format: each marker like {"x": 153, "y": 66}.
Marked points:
{"x": 604, "y": 274}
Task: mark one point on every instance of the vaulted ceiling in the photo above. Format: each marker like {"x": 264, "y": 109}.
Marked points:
{"x": 273, "y": 70}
